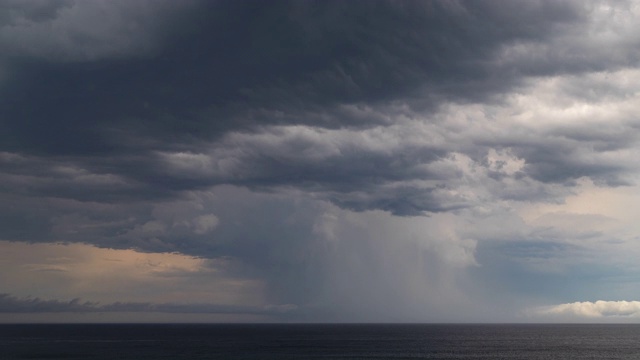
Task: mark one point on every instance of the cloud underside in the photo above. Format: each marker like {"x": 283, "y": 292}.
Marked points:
{"x": 421, "y": 115}
{"x": 332, "y": 151}
{"x": 12, "y": 304}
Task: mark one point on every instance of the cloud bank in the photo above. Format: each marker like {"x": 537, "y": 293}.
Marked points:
{"x": 594, "y": 310}
{"x": 430, "y": 158}
{"x": 11, "y": 304}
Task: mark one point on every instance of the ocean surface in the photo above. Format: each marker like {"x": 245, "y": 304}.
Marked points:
{"x": 235, "y": 341}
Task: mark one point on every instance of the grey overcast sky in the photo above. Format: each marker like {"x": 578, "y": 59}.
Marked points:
{"x": 403, "y": 161}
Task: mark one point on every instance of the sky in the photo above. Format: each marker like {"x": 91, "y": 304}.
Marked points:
{"x": 327, "y": 161}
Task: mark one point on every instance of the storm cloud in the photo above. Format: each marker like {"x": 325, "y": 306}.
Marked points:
{"x": 414, "y": 154}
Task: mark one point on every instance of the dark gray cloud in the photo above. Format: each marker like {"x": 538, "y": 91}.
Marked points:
{"x": 252, "y": 63}
{"x": 320, "y": 65}
{"x": 12, "y": 304}
{"x": 243, "y": 129}
{"x": 77, "y": 31}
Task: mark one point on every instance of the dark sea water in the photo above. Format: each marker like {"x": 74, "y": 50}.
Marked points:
{"x": 319, "y": 342}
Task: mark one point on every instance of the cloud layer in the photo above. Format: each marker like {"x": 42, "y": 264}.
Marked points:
{"x": 71, "y": 31}
{"x": 594, "y": 310}
{"x": 416, "y": 155}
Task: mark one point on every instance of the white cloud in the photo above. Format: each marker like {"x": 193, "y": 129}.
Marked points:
{"x": 593, "y": 310}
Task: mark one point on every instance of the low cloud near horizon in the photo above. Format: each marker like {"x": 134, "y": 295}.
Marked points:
{"x": 442, "y": 161}
{"x": 600, "y": 310}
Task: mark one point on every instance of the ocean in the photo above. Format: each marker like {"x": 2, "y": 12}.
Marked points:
{"x": 318, "y": 341}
